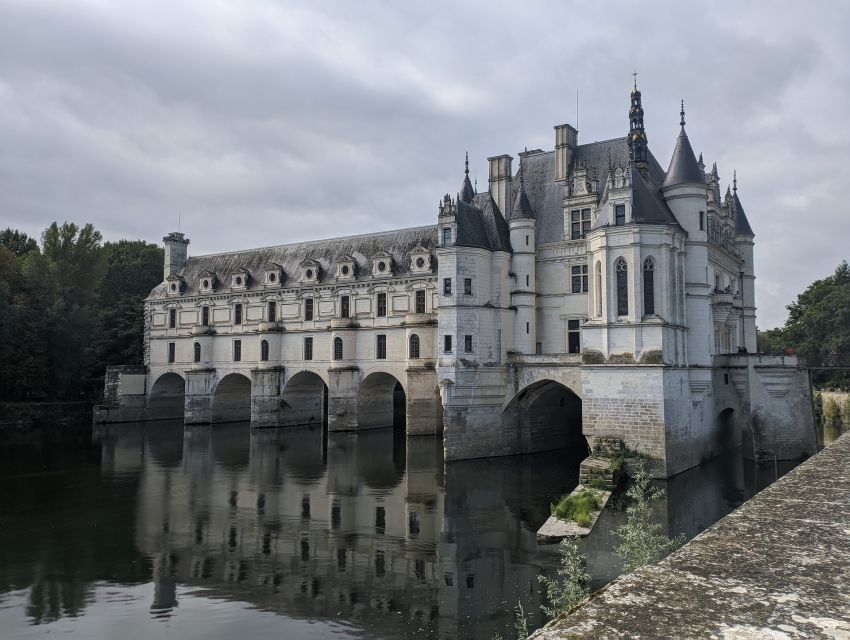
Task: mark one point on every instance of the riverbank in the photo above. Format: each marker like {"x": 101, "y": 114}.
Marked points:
{"x": 18, "y": 417}
{"x": 776, "y": 567}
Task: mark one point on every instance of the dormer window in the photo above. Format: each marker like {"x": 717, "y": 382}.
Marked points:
{"x": 345, "y": 268}
{"x": 420, "y": 260}
{"x": 310, "y": 271}
{"x": 382, "y": 264}
{"x": 173, "y": 285}
{"x": 273, "y": 275}
{"x": 619, "y": 214}
{"x": 239, "y": 279}
{"x": 206, "y": 282}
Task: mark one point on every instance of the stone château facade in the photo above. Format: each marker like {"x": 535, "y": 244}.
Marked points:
{"x": 586, "y": 292}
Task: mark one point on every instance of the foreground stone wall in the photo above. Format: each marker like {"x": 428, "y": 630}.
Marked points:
{"x": 775, "y": 568}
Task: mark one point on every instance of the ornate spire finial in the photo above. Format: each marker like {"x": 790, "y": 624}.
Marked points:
{"x": 682, "y": 114}
{"x": 735, "y": 180}
{"x": 635, "y": 74}
{"x": 466, "y": 164}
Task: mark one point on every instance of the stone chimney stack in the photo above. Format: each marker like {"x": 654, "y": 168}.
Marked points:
{"x": 566, "y": 140}
{"x": 176, "y": 250}
{"x": 501, "y": 183}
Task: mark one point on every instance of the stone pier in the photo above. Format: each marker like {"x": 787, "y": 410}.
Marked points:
{"x": 778, "y": 567}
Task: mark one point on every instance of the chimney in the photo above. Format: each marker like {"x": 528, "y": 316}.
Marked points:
{"x": 176, "y": 250}
{"x": 501, "y": 180}
{"x": 566, "y": 140}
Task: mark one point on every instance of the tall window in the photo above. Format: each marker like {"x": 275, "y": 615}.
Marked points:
{"x": 381, "y": 346}
{"x": 308, "y": 308}
{"x": 467, "y": 344}
{"x": 272, "y": 311}
{"x": 573, "y": 336}
{"x": 308, "y": 348}
{"x": 337, "y": 348}
{"x": 447, "y": 286}
{"x": 237, "y": 313}
{"x": 579, "y": 278}
{"x": 264, "y": 350}
{"x": 648, "y": 287}
{"x": 414, "y": 346}
{"x": 620, "y": 214}
{"x": 172, "y": 348}
{"x": 197, "y": 351}
{"x": 622, "y": 287}
{"x": 205, "y": 316}
{"x": 237, "y": 350}
{"x": 598, "y": 285}
{"x": 467, "y": 286}
{"x": 344, "y": 307}
{"x": 382, "y": 304}
{"x": 447, "y": 344}
{"x": 702, "y": 220}
{"x": 172, "y": 318}
{"x": 579, "y": 223}
{"x": 420, "y": 301}
{"x": 447, "y": 236}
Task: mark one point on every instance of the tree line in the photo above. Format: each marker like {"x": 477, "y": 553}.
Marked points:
{"x": 70, "y": 305}
{"x": 818, "y": 328}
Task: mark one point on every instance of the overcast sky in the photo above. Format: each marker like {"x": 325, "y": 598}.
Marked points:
{"x": 266, "y": 122}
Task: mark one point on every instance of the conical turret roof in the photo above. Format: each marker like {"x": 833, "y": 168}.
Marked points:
{"x": 684, "y": 168}
{"x": 742, "y": 225}
{"x": 467, "y": 192}
{"x": 522, "y": 206}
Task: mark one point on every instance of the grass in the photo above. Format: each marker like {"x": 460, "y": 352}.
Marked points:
{"x": 578, "y": 507}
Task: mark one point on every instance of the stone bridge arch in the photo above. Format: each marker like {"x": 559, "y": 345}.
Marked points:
{"x": 304, "y": 399}
{"x": 231, "y": 399}
{"x": 382, "y": 400}
{"x": 167, "y": 397}
{"x": 547, "y": 414}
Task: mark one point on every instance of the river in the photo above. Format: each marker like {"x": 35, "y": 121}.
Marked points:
{"x": 149, "y": 531}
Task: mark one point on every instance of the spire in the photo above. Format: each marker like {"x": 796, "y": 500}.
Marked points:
{"x": 684, "y": 168}
{"x": 638, "y": 152}
{"x": 742, "y": 225}
{"x": 700, "y": 162}
{"x": 734, "y": 180}
{"x": 522, "y": 206}
{"x": 467, "y": 193}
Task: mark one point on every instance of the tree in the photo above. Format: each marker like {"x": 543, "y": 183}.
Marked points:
{"x": 845, "y": 412}
{"x": 132, "y": 269}
{"x": 17, "y": 242}
{"x": 570, "y": 587}
{"x": 641, "y": 540}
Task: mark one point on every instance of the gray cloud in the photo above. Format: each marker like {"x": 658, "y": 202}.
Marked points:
{"x": 264, "y": 122}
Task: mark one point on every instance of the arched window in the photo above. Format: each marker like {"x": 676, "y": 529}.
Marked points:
{"x": 264, "y": 350}
{"x": 414, "y": 346}
{"x": 622, "y": 270}
{"x": 337, "y": 348}
{"x": 648, "y": 287}
{"x": 598, "y": 289}
{"x": 197, "y": 349}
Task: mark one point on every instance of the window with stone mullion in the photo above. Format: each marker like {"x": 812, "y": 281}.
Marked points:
{"x": 622, "y": 271}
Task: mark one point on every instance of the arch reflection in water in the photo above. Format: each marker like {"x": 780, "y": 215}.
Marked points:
{"x": 356, "y": 528}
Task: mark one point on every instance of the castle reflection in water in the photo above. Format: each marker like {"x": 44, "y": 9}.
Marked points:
{"x": 352, "y": 526}
{"x": 370, "y": 528}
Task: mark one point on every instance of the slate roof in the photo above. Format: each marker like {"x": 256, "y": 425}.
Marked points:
{"x": 521, "y": 206}
{"x": 684, "y": 168}
{"x": 546, "y": 197}
{"x": 481, "y": 224}
{"x": 742, "y": 225}
{"x": 362, "y": 248}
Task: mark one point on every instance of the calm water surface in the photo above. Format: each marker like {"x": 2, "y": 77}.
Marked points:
{"x": 220, "y": 532}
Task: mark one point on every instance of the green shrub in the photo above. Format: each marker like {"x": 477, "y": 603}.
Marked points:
{"x": 570, "y": 587}
{"x": 578, "y": 507}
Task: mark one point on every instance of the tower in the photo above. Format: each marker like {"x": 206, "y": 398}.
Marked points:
{"x": 523, "y": 225}
{"x": 744, "y": 237}
{"x": 684, "y": 190}
{"x": 637, "y": 135}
